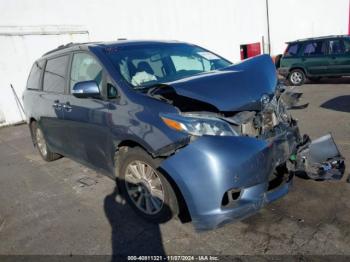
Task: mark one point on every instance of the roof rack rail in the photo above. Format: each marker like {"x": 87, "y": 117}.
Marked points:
{"x": 318, "y": 38}
{"x": 61, "y": 47}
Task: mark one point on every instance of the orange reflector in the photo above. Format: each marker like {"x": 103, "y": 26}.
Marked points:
{"x": 172, "y": 123}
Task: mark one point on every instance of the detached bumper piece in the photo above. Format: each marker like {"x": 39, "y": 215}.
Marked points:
{"x": 319, "y": 159}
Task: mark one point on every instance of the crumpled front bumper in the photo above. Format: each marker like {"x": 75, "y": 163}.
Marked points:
{"x": 210, "y": 166}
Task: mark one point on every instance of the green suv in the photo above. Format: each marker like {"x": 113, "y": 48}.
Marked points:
{"x": 314, "y": 58}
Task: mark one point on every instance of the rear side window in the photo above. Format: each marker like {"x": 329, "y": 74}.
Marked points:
{"x": 292, "y": 49}
{"x": 55, "y": 74}
{"x": 347, "y": 46}
{"x": 315, "y": 48}
{"x": 336, "y": 47}
{"x": 35, "y": 75}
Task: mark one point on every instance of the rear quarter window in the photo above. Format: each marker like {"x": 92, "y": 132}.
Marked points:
{"x": 55, "y": 74}
{"x": 34, "y": 78}
{"x": 336, "y": 47}
{"x": 292, "y": 49}
{"x": 347, "y": 46}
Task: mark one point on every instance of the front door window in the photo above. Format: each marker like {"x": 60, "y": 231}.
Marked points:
{"x": 85, "y": 68}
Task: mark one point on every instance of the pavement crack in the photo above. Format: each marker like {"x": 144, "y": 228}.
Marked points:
{"x": 306, "y": 242}
{"x": 2, "y": 224}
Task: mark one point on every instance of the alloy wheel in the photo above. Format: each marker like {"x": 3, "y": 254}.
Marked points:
{"x": 144, "y": 187}
{"x": 296, "y": 78}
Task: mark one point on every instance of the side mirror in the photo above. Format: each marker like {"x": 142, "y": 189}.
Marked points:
{"x": 86, "y": 89}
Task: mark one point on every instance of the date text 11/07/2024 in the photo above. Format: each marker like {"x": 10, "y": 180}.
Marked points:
{"x": 174, "y": 258}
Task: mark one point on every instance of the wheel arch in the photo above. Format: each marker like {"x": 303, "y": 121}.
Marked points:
{"x": 31, "y": 121}
{"x": 298, "y": 67}
{"x": 184, "y": 214}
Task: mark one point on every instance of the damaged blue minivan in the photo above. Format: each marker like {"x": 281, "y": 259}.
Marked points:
{"x": 183, "y": 130}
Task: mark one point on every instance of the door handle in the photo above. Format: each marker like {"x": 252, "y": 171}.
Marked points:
{"x": 67, "y": 107}
{"x": 57, "y": 105}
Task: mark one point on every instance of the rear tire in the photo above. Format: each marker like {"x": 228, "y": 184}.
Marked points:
{"x": 296, "y": 77}
{"x": 40, "y": 143}
{"x": 146, "y": 189}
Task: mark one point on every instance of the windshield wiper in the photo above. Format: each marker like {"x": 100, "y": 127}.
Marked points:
{"x": 150, "y": 88}
{"x": 146, "y": 86}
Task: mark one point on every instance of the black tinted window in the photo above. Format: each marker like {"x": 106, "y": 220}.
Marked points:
{"x": 55, "y": 74}
{"x": 336, "y": 47}
{"x": 347, "y": 45}
{"x": 314, "y": 48}
{"x": 292, "y": 50}
{"x": 34, "y": 76}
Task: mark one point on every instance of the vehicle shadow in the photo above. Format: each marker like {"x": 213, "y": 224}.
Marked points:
{"x": 329, "y": 80}
{"x": 340, "y": 103}
{"x": 321, "y": 81}
{"x": 131, "y": 235}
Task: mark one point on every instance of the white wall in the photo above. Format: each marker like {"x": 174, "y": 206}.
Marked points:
{"x": 19, "y": 47}
{"x": 215, "y": 25}
{"x": 295, "y": 19}
{"x": 221, "y": 26}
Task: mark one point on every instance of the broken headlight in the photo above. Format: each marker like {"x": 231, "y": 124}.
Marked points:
{"x": 198, "y": 125}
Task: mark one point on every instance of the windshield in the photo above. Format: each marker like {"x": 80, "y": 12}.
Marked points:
{"x": 148, "y": 65}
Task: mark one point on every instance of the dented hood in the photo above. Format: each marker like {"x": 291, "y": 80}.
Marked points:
{"x": 235, "y": 88}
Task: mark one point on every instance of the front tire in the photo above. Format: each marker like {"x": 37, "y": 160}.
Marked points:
{"x": 144, "y": 187}
{"x": 296, "y": 77}
{"x": 40, "y": 143}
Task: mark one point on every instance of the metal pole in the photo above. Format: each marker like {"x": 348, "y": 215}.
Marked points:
{"x": 263, "y": 44}
{"x": 17, "y": 100}
{"x": 349, "y": 31}
{"x": 268, "y": 27}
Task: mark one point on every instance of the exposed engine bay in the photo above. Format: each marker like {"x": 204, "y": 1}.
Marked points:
{"x": 319, "y": 159}
{"x": 264, "y": 122}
